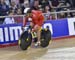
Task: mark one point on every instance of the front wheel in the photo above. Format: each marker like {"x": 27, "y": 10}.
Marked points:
{"x": 25, "y": 40}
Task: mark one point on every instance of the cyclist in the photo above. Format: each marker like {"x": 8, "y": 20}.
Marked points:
{"x": 36, "y": 19}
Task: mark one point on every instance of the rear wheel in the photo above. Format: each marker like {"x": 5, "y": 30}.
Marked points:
{"x": 45, "y": 37}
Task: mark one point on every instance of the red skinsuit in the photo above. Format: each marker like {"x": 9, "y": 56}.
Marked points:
{"x": 37, "y": 18}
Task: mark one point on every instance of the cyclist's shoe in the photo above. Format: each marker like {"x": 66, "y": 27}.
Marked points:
{"x": 37, "y": 44}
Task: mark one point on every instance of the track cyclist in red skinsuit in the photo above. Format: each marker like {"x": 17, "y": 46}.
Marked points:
{"x": 36, "y": 19}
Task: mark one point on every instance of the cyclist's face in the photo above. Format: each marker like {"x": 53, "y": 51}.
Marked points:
{"x": 29, "y": 14}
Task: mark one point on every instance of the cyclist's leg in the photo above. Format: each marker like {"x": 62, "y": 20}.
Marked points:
{"x": 37, "y": 29}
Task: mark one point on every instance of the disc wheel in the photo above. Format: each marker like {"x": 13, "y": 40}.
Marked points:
{"x": 25, "y": 40}
{"x": 45, "y": 37}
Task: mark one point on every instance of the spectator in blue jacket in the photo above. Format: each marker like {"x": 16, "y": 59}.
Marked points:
{"x": 4, "y": 8}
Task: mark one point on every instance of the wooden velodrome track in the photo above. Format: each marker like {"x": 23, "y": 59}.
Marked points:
{"x": 62, "y": 49}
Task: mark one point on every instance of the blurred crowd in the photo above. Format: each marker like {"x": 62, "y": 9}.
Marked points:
{"x": 17, "y": 7}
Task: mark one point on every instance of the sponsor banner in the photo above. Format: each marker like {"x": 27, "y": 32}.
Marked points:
{"x": 71, "y": 26}
{"x": 10, "y": 33}
{"x": 58, "y": 27}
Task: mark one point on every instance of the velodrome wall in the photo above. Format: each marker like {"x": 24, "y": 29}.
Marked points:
{"x": 10, "y": 33}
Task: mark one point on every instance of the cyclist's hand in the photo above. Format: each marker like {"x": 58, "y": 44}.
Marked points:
{"x": 22, "y": 28}
{"x": 31, "y": 24}
{"x": 29, "y": 19}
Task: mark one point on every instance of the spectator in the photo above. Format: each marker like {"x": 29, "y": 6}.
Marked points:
{"x": 36, "y": 5}
{"x": 69, "y": 14}
{"x": 3, "y": 8}
{"x": 19, "y": 19}
{"x": 13, "y": 5}
{"x": 47, "y": 9}
{"x": 9, "y": 20}
{"x": 44, "y": 3}
{"x": 21, "y": 1}
{"x": 47, "y": 13}
{"x": 61, "y": 16}
{"x": 55, "y": 5}
{"x": 7, "y": 2}
{"x": 71, "y": 3}
{"x": 16, "y": 1}
{"x": 19, "y": 11}
{"x": 31, "y": 3}
{"x": 26, "y": 5}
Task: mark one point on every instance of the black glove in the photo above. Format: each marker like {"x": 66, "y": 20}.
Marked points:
{"x": 22, "y": 28}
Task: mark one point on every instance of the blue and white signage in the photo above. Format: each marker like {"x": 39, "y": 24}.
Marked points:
{"x": 58, "y": 27}
{"x": 10, "y": 32}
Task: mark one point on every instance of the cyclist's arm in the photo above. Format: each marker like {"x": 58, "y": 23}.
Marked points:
{"x": 25, "y": 21}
